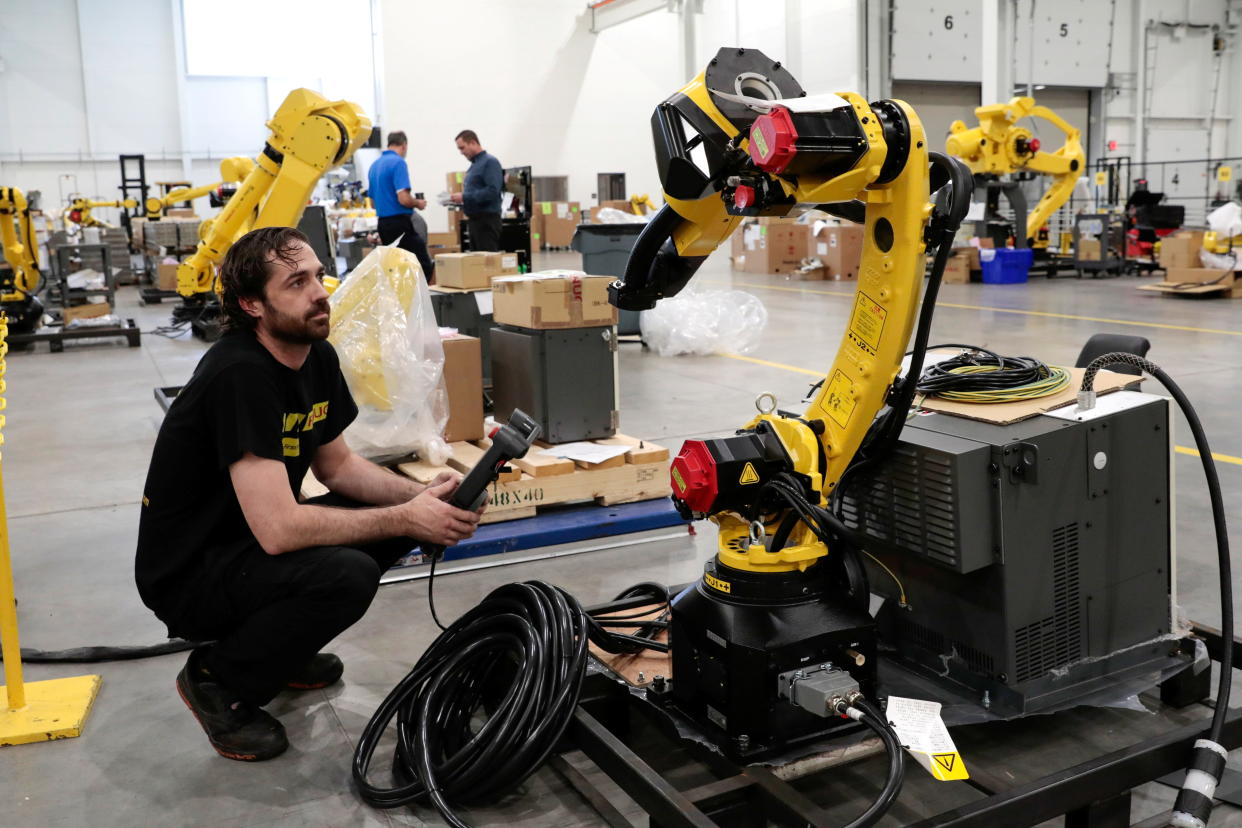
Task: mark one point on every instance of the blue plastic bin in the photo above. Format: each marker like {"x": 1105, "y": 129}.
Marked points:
{"x": 1005, "y": 266}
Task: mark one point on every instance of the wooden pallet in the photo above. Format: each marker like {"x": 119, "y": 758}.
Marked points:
{"x": 539, "y": 480}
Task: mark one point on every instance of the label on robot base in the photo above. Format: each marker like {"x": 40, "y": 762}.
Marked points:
{"x": 749, "y": 475}
{"x": 923, "y": 734}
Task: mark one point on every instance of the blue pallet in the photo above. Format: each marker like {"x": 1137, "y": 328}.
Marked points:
{"x": 565, "y": 525}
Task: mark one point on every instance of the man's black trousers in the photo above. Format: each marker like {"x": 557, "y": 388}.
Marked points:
{"x": 401, "y": 227}
{"x": 269, "y": 614}
{"x": 485, "y": 232}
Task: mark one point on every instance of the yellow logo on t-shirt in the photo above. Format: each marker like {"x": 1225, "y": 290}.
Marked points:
{"x": 292, "y": 446}
{"x": 318, "y": 413}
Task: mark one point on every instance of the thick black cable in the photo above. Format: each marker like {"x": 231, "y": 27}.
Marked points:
{"x": 1218, "y": 518}
{"x": 1011, "y": 372}
{"x": 96, "y": 654}
{"x": 896, "y": 776}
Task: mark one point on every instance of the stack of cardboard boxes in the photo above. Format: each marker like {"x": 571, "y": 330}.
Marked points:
{"x": 963, "y": 265}
{"x": 1184, "y": 271}
{"x": 779, "y": 245}
{"x": 554, "y": 223}
{"x": 438, "y": 243}
{"x": 473, "y": 271}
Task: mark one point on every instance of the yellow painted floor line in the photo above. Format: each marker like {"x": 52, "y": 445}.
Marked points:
{"x": 1047, "y": 314}
{"x": 1219, "y": 458}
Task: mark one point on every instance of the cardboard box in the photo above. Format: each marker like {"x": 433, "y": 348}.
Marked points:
{"x": 187, "y": 232}
{"x": 502, "y": 264}
{"x": 839, "y": 248}
{"x": 463, "y": 381}
{"x": 442, "y": 240}
{"x": 162, "y": 233}
{"x": 181, "y": 213}
{"x": 957, "y": 270}
{"x": 1200, "y": 275}
{"x": 774, "y": 247}
{"x": 90, "y": 310}
{"x": 166, "y": 276}
{"x": 463, "y": 270}
{"x": 1088, "y": 250}
{"x": 455, "y": 181}
{"x": 552, "y": 300}
{"x": 1181, "y": 250}
{"x": 556, "y": 222}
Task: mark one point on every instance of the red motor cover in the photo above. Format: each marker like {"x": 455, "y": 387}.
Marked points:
{"x": 693, "y": 476}
{"x": 772, "y": 141}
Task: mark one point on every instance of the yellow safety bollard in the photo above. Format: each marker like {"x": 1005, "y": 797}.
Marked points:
{"x": 41, "y": 710}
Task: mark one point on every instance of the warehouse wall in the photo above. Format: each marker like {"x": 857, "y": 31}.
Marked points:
{"x": 541, "y": 89}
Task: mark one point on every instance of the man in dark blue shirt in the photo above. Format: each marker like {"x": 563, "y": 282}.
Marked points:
{"x": 389, "y": 185}
{"x": 481, "y": 197}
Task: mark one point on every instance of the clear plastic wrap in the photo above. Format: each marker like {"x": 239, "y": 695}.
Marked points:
{"x": 1226, "y": 220}
{"x": 611, "y": 215}
{"x": 698, "y": 321}
{"x": 1218, "y": 261}
{"x": 386, "y": 336}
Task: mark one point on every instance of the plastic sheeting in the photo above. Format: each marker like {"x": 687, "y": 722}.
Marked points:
{"x": 1226, "y": 220}
{"x": 386, "y": 336}
{"x": 611, "y": 215}
{"x": 704, "y": 322}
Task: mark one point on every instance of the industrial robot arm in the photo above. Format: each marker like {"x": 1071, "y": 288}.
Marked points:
{"x": 79, "y": 211}
{"x": 998, "y": 146}
{"x": 232, "y": 170}
{"x": 771, "y": 150}
{"x": 309, "y": 135}
{"x": 21, "y": 251}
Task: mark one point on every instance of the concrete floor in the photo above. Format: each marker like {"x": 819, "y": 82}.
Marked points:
{"x": 78, "y": 438}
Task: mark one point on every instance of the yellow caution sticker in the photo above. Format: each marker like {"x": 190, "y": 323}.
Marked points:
{"x": 1101, "y": 178}
{"x": 749, "y": 475}
{"x": 867, "y": 323}
{"x": 922, "y": 732}
{"x": 678, "y": 480}
{"x": 1224, "y": 173}
{"x": 839, "y": 400}
{"x": 717, "y": 584}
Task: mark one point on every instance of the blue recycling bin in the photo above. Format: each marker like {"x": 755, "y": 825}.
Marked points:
{"x": 1006, "y": 266}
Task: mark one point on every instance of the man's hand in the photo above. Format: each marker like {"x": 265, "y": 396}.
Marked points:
{"x": 429, "y": 517}
{"x": 420, "y": 203}
{"x": 456, "y": 198}
{"x": 443, "y": 477}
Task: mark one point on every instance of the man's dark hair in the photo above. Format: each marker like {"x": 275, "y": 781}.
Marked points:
{"x": 244, "y": 271}
{"x": 397, "y": 139}
{"x": 469, "y": 136}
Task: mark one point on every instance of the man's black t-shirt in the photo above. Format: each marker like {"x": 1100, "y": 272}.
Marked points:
{"x": 240, "y": 399}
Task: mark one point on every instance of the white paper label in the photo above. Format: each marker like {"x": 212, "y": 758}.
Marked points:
{"x": 923, "y": 734}
{"x": 509, "y": 261}
{"x": 821, "y": 249}
{"x": 483, "y": 298}
{"x": 562, "y": 210}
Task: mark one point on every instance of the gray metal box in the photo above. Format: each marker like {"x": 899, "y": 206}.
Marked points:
{"x": 460, "y": 310}
{"x": 564, "y": 379}
{"x": 1035, "y": 556}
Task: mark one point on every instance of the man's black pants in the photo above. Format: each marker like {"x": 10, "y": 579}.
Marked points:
{"x": 400, "y": 227}
{"x": 485, "y": 232}
{"x": 269, "y": 614}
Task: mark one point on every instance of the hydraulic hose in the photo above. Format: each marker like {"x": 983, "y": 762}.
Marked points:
{"x": 863, "y": 711}
{"x": 1193, "y": 806}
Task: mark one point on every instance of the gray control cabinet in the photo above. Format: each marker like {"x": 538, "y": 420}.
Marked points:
{"x": 564, "y": 379}
{"x": 1035, "y": 556}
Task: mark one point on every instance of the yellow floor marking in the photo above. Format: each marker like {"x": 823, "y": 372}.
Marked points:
{"x": 1219, "y": 458}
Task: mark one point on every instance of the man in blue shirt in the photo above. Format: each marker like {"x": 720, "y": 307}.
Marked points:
{"x": 481, "y": 197}
{"x": 389, "y": 187}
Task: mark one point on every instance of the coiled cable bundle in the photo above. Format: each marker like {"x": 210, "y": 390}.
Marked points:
{"x": 981, "y": 376}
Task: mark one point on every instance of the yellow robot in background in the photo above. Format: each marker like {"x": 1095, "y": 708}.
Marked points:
{"x": 21, "y": 250}
{"x": 309, "y": 135}
{"x": 232, "y": 170}
{"x": 79, "y": 210}
{"x": 999, "y": 147}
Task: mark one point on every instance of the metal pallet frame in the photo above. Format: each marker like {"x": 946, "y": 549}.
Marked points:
{"x": 56, "y": 338}
{"x": 1092, "y": 794}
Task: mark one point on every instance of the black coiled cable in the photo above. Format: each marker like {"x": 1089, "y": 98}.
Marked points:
{"x": 519, "y": 658}
{"x": 1007, "y": 373}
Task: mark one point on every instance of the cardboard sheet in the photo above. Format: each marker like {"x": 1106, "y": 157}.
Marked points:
{"x": 1013, "y": 412}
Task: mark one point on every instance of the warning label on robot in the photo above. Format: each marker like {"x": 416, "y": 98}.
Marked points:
{"x": 839, "y": 399}
{"x": 749, "y": 475}
{"x": 922, "y": 732}
{"x": 716, "y": 583}
{"x": 867, "y": 323}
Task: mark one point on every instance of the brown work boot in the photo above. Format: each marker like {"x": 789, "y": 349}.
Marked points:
{"x": 236, "y": 730}
{"x": 323, "y": 670}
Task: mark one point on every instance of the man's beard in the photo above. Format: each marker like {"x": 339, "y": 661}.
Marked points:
{"x": 296, "y": 330}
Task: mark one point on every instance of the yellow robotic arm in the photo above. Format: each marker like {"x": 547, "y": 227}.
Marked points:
{"x": 79, "y": 211}
{"x": 998, "y": 147}
{"x": 231, "y": 170}
{"x": 309, "y": 135}
{"x": 21, "y": 251}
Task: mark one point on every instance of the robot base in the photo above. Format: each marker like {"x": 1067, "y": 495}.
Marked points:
{"x": 729, "y": 650}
